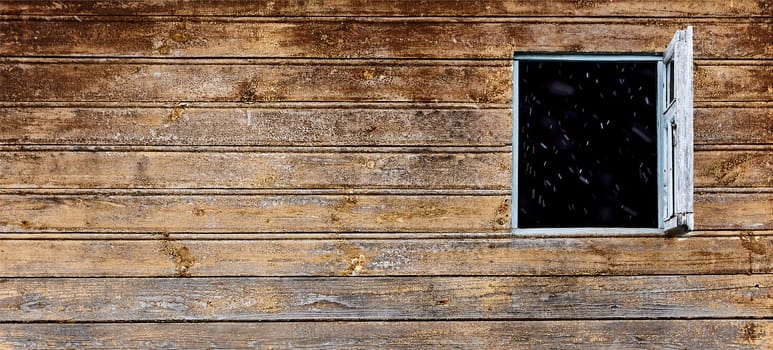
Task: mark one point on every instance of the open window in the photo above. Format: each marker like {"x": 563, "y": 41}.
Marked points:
{"x": 603, "y": 142}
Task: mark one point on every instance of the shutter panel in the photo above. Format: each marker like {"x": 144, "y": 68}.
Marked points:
{"x": 677, "y": 125}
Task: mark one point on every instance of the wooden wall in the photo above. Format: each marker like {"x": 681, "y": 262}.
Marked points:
{"x": 282, "y": 174}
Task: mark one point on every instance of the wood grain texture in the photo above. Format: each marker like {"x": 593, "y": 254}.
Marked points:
{"x": 734, "y": 210}
{"x": 398, "y": 8}
{"x": 294, "y": 125}
{"x": 310, "y": 81}
{"x": 657, "y": 334}
{"x": 254, "y": 170}
{"x": 95, "y": 212}
{"x": 396, "y": 298}
{"x": 749, "y": 124}
{"x": 370, "y": 38}
{"x": 254, "y": 213}
{"x": 223, "y": 213}
{"x": 739, "y": 253}
{"x": 308, "y": 124}
{"x": 306, "y": 170}
{"x": 406, "y": 81}
{"x": 733, "y": 83}
{"x": 734, "y": 168}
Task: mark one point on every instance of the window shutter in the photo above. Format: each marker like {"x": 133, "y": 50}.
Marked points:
{"x": 677, "y": 127}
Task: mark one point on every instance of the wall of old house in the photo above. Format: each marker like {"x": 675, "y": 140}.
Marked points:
{"x": 290, "y": 173}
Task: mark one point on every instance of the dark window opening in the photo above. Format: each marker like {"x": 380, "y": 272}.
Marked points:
{"x": 587, "y": 144}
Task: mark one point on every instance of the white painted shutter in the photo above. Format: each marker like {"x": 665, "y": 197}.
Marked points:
{"x": 677, "y": 124}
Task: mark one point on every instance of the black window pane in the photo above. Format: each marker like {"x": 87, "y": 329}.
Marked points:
{"x": 587, "y": 144}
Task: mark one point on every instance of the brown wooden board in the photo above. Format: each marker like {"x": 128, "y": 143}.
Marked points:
{"x": 482, "y": 82}
{"x": 734, "y": 168}
{"x": 738, "y": 253}
{"x": 395, "y": 298}
{"x": 734, "y": 210}
{"x": 255, "y": 170}
{"x": 746, "y": 124}
{"x": 228, "y": 212}
{"x": 557, "y": 334}
{"x": 294, "y": 125}
{"x": 404, "y": 81}
{"x": 254, "y": 213}
{"x": 305, "y": 170}
{"x": 309, "y": 124}
{"x": 733, "y": 82}
{"x": 397, "y": 8}
{"x": 371, "y": 38}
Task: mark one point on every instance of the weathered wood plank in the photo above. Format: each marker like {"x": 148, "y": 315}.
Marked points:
{"x": 304, "y": 125}
{"x": 734, "y": 211}
{"x": 734, "y": 168}
{"x": 728, "y": 125}
{"x": 360, "y": 38}
{"x": 254, "y": 213}
{"x": 223, "y": 212}
{"x": 125, "y": 82}
{"x": 617, "y": 8}
{"x": 310, "y": 125}
{"x": 739, "y": 254}
{"x": 314, "y": 213}
{"x": 733, "y": 83}
{"x": 431, "y": 170}
{"x": 404, "y": 81}
{"x": 393, "y": 298}
{"x": 656, "y": 334}
{"x": 254, "y": 170}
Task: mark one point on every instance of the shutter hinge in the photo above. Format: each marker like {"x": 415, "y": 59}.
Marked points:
{"x": 673, "y": 133}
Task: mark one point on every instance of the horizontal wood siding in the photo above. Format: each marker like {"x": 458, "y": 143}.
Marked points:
{"x": 392, "y": 8}
{"x": 704, "y": 334}
{"x": 405, "y": 298}
{"x": 337, "y": 174}
{"x": 299, "y": 170}
{"x": 365, "y": 81}
{"x": 310, "y": 124}
{"x": 165, "y": 255}
{"x": 370, "y": 37}
{"x": 223, "y": 212}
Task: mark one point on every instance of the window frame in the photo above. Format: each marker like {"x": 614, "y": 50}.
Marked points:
{"x": 675, "y": 197}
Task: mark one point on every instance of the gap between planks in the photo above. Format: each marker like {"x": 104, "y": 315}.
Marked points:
{"x": 323, "y": 105}
{"x": 637, "y": 20}
{"x": 739, "y": 253}
{"x": 398, "y": 9}
{"x": 353, "y": 236}
{"x": 325, "y": 61}
{"x": 289, "y": 236}
{"x": 687, "y": 333}
{"x": 306, "y": 191}
{"x": 386, "y": 298}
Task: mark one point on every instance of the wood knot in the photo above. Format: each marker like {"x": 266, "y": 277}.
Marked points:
{"x": 177, "y": 113}
{"x": 181, "y": 256}
{"x": 753, "y": 243}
